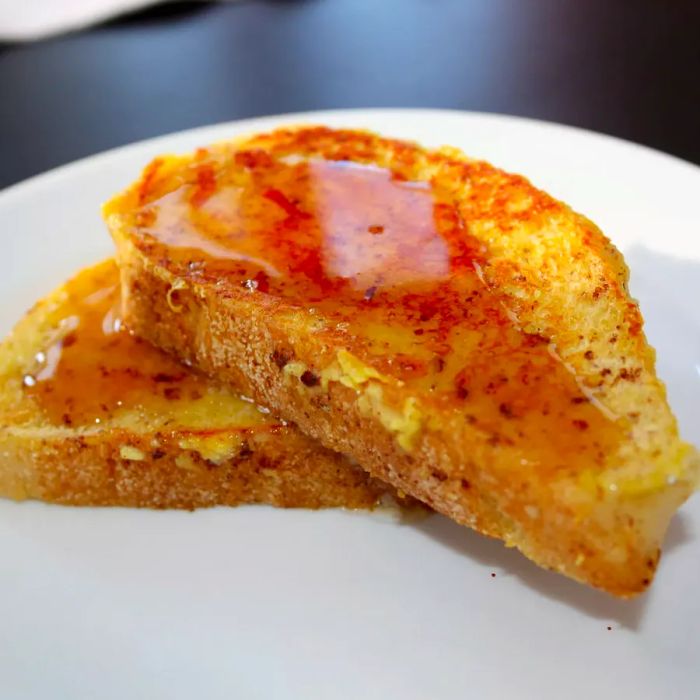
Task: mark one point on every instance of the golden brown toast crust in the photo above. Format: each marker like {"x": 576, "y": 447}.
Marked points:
{"x": 288, "y": 471}
{"x": 154, "y": 446}
{"x": 559, "y": 280}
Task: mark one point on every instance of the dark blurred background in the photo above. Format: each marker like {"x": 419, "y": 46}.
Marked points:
{"x": 630, "y": 68}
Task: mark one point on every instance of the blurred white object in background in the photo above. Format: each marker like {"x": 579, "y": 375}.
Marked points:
{"x": 24, "y": 20}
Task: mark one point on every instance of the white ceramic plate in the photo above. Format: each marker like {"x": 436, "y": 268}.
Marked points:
{"x": 258, "y": 603}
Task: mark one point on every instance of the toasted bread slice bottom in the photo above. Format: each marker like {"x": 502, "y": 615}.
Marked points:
{"x": 90, "y": 415}
{"x": 461, "y": 334}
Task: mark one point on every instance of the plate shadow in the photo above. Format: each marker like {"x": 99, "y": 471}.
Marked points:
{"x": 496, "y": 556}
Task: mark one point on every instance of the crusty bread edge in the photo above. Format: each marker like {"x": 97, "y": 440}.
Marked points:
{"x": 121, "y": 468}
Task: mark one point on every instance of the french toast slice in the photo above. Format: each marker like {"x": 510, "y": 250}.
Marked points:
{"x": 90, "y": 415}
{"x": 460, "y": 333}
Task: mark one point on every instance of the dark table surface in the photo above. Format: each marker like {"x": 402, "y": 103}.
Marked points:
{"x": 630, "y": 68}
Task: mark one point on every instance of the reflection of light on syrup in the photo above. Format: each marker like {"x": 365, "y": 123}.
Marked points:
{"x": 404, "y": 247}
{"x": 179, "y": 225}
{"x": 329, "y": 227}
{"x": 94, "y": 367}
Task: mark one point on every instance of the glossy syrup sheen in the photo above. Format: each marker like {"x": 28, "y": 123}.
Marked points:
{"x": 388, "y": 267}
{"x": 92, "y": 369}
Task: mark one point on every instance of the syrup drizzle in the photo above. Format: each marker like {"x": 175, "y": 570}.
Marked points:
{"x": 390, "y": 268}
{"x": 92, "y": 368}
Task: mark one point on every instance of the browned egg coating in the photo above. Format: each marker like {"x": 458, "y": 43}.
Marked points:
{"x": 388, "y": 265}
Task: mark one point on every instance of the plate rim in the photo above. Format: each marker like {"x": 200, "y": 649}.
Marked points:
{"x": 46, "y": 177}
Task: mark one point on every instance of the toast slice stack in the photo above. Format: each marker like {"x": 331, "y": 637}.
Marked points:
{"x": 90, "y": 415}
{"x": 458, "y": 332}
